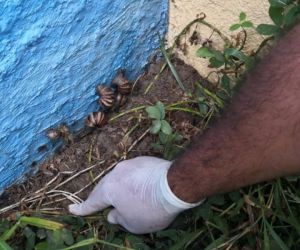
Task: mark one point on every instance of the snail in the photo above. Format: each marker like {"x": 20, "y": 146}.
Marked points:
{"x": 122, "y": 83}
{"x": 53, "y": 134}
{"x": 107, "y": 96}
{"x": 63, "y": 129}
{"x": 121, "y": 100}
{"x": 96, "y": 119}
{"x": 61, "y": 132}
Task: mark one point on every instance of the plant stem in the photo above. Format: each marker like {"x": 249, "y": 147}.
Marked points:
{"x": 200, "y": 20}
{"x": 263, "y": 44}
{"x": 155, "y": 78}
{"x": 126, "y": 112}
{"x": 184, "y": 110}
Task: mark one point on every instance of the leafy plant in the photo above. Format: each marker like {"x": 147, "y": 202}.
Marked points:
{"x": 243, "y": 23}
{"x": 169, "y": 145}
{"x": 158, "y": 113}
{"x": 233, "y": 60}
{"x": 232, "y": 56}
{"x": 166, "y": 138}
{"x": 284, "y": 13}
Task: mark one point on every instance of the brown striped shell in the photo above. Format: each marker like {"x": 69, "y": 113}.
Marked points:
{"x": 96, "y": 119}
{"x": 121, "y": 100}
{"x": 107, "y": 97}
{"x": 62, "y": 131}
{"x": 123, "y": 85}
{"x": 53, "y": 134}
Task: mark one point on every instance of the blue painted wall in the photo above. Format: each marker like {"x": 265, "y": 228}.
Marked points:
{"x": 52, "y": 55}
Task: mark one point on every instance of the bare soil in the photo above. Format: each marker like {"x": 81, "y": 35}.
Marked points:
{"x": 108, "y": 144}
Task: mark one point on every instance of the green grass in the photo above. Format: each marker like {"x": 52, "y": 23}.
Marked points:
{"x": 264, "y": 216}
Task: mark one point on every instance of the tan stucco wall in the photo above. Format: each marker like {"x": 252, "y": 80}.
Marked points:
{"x": 220, "y": 13}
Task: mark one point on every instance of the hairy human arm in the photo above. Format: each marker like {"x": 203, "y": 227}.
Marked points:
{"x": 258, "y": 136}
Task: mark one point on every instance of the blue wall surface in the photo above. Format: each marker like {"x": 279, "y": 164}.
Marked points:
{"x": 52, "y": 55}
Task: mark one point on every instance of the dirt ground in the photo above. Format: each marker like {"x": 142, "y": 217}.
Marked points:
{"x": 109, "y": 144}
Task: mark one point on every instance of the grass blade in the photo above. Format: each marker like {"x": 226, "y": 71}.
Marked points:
{"x": 171, "y": 66}
{"x": 114, "y": 245}
{"x": 186, "y": 240}
{"x": 155, "y": 78}
{"x": 93, "y": 241}
{"x": 215, "y": 243}
{"x": 266, "y": 238}
{"x": 4, "y": 246}
{"x": 7, "y": 234}
{"x": 82, "y": 243}
{"x": 41, "y": 223}
{"x": 275, "y": 236}
{"x": 187, "y": 110}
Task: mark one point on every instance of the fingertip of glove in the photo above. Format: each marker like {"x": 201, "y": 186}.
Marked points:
{"x": 73, "y": 209}
{"x": 112, "y": 217}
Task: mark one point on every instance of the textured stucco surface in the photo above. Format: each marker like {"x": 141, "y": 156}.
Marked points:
{"x": 221, "y": 14}
{"x": 53, "y": 53}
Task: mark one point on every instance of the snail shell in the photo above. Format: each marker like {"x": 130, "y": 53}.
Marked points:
{"x": 63, "y": 129}
{"x": 121, "y": 100}
{"x": 107, "y": 97}
{"x": 96, "y": 119}
{"x": 122, "y": 83}
{"x": 53, "y": 134}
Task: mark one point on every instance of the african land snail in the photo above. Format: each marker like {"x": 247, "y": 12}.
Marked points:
{"x": 121, "y": 100}
{"x": 123, "y": 85}
{"x": 61, "y": 132}
{"x": 107, "y": 96}
{"x": 96, "y": 119}
{"x": 107, "y": 99}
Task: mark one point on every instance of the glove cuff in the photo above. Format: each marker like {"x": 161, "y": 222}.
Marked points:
{"x": 171, "y": 198}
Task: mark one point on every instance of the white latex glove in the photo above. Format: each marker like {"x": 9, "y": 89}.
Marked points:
{"x": 139, "y": 192}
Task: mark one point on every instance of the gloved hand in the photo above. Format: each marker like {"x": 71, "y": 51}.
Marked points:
{"x": 139, "y": 192}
